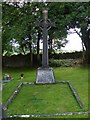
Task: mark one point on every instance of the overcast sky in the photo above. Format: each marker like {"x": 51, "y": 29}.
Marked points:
{"x": 74, "y": 43}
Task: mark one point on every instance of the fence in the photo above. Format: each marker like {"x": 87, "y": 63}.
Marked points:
{"x": 24, "y": 60}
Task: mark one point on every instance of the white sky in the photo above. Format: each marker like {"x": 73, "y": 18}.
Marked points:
{"x": 74, "y": 43}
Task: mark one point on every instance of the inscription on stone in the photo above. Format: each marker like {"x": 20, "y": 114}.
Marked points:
{"x": 45, "y": 75}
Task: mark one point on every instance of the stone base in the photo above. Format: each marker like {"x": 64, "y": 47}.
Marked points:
{"x": 45, "y": 75}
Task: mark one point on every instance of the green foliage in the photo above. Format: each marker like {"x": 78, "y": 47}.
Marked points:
{"x": 54, "y": 63}
{"x": 64, "y": 63}
{"x": 19, "y": 22}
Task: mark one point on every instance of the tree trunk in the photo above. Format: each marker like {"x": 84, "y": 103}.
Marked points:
{"x": 50, "y": 46}
{"x": 30, "y": 48}
{"x": 38, "y": 47}
{"x": 38, "y": 42}
{"x": 22, "y": 46}
{"x": 31, "y": 55}
{"x": 86, "y": 40}
{"x": 83, "y": 54}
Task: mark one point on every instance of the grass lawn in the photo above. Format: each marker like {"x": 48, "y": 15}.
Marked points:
{"x": 46, "y": 99}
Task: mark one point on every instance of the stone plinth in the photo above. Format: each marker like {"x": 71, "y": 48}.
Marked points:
{"x": 45, "y": 75}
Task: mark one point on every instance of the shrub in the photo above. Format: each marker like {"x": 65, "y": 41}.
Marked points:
{"x": 63, "y": 62}
{"x": 54, "y": 63}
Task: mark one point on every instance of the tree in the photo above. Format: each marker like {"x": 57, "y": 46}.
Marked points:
{"x": 65, "y": 15}
{"x": 80, "y": 15}
{"x": 72, "y": 15}
{"x": 26, "y": 15}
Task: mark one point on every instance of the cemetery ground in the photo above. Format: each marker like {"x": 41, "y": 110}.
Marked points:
{"x": 49, "y": 98}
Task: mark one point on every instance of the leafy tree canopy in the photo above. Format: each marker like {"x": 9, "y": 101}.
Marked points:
{"x": 19, "y": 21}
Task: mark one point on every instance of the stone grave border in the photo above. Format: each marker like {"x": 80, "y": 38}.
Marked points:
{"x": 76, "y": 96}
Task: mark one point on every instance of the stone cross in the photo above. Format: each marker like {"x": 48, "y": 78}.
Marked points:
{"x": 45, "y": 25}
{"x": 44, "y": 73}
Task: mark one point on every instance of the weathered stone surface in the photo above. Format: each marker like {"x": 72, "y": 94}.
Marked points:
{"x": 48, "y": 115}
{"x": 5, "y": 81}
{"x": 45, "y": 75}
{"x": 76, "y": 96}
{"x": 30, "y": 83}
{"x": 3, "y": 112}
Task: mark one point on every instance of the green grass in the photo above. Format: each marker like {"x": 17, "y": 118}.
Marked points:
{"x": 78, "y": 77}
{"x": 46, "y": 98}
